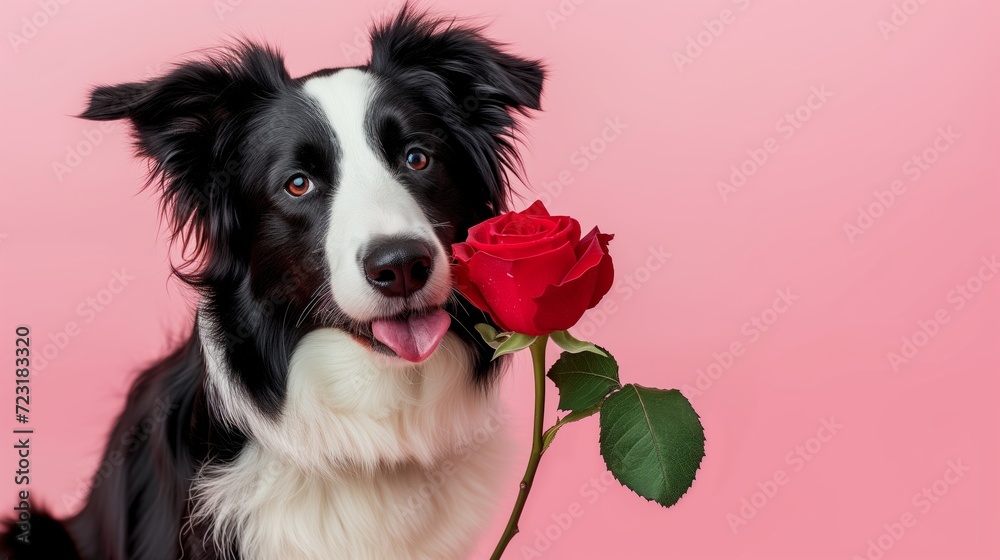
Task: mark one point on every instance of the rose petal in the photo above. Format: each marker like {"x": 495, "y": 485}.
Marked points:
{"x": 588, "y": 253}
{"x": 464, "y": 285}
{"x": 605, "y": 272}
{"x": 521, "y": 228}
{"x": 536, "y": 209}
{"x": 511, "y": 287}
{"x": 562, "y": 305}
{"x": 514, "y": 228}
{"x": 548, "y": 232}
{"x": 562, "y": 230}
{"x": 462, "y": 251}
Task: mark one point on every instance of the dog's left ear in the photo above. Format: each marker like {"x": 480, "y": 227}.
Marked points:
{"x": 477, "y": 87}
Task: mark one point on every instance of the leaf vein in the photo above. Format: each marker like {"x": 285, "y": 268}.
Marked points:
{"x": 659, "y": 453}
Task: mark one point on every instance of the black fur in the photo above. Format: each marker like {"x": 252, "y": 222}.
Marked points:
{"x": 48, "y": 540}
{"x": 222, "y": 133}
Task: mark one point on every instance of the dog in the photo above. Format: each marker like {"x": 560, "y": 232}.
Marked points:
{"x": 332, "y": 397}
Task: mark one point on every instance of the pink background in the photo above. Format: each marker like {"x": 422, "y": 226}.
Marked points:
{"x": 655, "y": 184}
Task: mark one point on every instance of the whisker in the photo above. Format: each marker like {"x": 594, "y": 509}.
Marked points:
{"x": 474, "y": 336}
{"x": 458, "y": 301}
{"x": 313, "y": 301}
{"x": 440, "y": 224}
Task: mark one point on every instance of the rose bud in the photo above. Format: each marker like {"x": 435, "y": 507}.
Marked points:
{"x": 531, "y": 272}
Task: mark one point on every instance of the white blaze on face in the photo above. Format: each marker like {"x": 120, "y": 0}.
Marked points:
{"x": 369, "y": 202}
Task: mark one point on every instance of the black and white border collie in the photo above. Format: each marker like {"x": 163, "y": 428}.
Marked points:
{"x": 325, "y": 404}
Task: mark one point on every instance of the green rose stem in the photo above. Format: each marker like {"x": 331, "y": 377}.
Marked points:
{"x": 538, "y": 359}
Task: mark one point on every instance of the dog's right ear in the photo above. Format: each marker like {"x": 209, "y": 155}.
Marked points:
{"x": 184, "y": 122}
{"x": 177, "y": 118}
{"x": 108, "y": 103}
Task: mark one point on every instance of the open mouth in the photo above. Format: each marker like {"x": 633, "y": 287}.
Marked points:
{"x": 412, "y": 335}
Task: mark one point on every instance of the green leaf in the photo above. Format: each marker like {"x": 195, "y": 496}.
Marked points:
{"x": 568, "y": 343}
{"x": 652, "y": 441}
{"x": 517, "y": 341}
{"x": 550, "y": 434}
{"x": 584, "y": 379}
{"x": 491, "y": 336}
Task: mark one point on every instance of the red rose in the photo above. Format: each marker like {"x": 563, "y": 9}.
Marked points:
{"x": 531, "y": 271}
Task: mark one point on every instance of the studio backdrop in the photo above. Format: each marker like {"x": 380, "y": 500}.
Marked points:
{"x": 804, "y": 198}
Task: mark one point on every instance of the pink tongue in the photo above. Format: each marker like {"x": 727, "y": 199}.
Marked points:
{"x": 415, "y": 338}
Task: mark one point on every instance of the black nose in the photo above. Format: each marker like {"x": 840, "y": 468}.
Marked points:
{"x": 397, "y": 267}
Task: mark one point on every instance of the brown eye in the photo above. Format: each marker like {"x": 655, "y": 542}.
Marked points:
{"x": 298, "y": 185}
{"x": 417, "y": 160}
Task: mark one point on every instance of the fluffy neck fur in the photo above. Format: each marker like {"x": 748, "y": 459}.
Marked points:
{"x": 368, "y": 458}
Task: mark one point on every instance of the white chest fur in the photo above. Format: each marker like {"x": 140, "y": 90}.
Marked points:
{"x": 370, "y": 459}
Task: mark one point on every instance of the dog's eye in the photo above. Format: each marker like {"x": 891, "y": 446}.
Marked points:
{"x": 417, "y": 160}
{"x": 298, "y": 185}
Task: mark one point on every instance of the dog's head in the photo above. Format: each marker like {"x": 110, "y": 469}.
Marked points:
{"x": 332, "y": 199}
